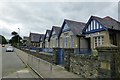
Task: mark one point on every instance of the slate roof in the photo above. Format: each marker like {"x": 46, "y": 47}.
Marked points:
{"x": 108, "y": 22}
{"x": 75, "y": 26}
{"x": 25, "y": 38}
{"x": 35, "y": 37}
{"x": 57, "y": 29}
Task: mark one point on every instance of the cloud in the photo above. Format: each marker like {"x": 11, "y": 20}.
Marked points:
{"x": 39, "y": 16}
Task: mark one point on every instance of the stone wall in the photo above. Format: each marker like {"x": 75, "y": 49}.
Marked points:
{"x": 109, "y": 58}
{"x": 47, "y": 57}
{"x": 105, "y": 65}
{"x": 85, "y": 65}
{"x": 117, "y": 63}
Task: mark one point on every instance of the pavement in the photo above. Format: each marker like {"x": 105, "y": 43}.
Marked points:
{"x": 48, "y": 70}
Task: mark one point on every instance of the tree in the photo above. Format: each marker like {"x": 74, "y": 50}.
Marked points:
{"x": 15, "y": 39}
{"x": 3, "y": 40}
{"x": 14, "y": 33}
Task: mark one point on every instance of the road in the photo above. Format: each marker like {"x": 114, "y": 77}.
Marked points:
{"x": 11, "y": 63}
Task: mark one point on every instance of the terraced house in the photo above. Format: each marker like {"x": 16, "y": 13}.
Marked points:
{"x": 34, "y": 39}
{"x": 102, "y": 32}
{"x": 70, "y": 34}
{"x": 41, "y": 41}
{"x": 46, "y": 37}
{"x": 53, "y": 38}
{"x": 26, "y": 41}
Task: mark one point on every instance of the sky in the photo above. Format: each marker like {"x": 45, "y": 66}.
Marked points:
{"x": 37, "y": 16}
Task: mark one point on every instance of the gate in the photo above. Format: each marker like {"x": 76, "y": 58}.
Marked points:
{"x": 61, "y": 57}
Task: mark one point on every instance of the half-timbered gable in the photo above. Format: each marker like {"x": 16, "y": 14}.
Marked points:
{"x": 102, "y": 31}
{"x": 93, "y": 26}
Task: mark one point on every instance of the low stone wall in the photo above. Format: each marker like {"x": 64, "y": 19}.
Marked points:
{"x": 84, "y": 65}
{"x": 117, "y": 64}
{"x": 109, "y": 58}
{"x": 47, "y": 57}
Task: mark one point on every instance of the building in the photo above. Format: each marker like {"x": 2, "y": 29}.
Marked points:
{"x": 41, "y": 41}
{"x": 46, "y": 43}
{"x": 34, "y": 39}
{"x": 26, "y": 41}
{"x": 70, "y": 34}
{"x": 53, "y": 38}
{"x": 102, "y": 32}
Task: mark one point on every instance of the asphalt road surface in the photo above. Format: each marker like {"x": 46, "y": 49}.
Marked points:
{"x": 10, "y": 62}
{"x": 13, "y": 67}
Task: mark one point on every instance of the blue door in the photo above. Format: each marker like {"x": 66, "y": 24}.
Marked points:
{"x": 61, "y": 57}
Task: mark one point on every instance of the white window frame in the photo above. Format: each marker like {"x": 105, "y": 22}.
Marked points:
{"x": 66, "y": 41}
{"x": 98, "y": 41}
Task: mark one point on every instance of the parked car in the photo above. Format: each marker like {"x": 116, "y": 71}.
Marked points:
{"x": 10, "y": 49}
{"x": 3, "y": 45}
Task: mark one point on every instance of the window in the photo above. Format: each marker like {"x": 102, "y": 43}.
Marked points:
{"x": 98, "y": 41}
{"x": 61, "y": 42}
{"x": 56, "y": 42}
{"x": 66, "y": 42}
{"x": 72, "y": 41}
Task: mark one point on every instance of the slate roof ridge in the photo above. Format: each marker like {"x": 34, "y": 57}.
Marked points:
{"x": 108, "y": 18}
{"x": 35, "y": 33}
{"x": 72, "y": 21}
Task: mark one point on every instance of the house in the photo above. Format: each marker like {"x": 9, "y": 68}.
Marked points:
{"x": 102, "y": 32}
{"x": 26, "y": 41}
{"x": 45, "y": 40}
{"x": 53, "y": 38}
{"x": 70, "y": 34}
{"x": 34, "y": 39}
{"x": 41, "y": 41}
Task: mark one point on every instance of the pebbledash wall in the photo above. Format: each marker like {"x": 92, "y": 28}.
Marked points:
{"x": 105, "y": 65}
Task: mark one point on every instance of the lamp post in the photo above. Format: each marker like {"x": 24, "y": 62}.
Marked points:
{"x": 18, "y": 36}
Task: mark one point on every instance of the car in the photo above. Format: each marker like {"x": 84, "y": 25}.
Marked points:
{"x": 3, "y": 45}
{"x": 10, "y": 49}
